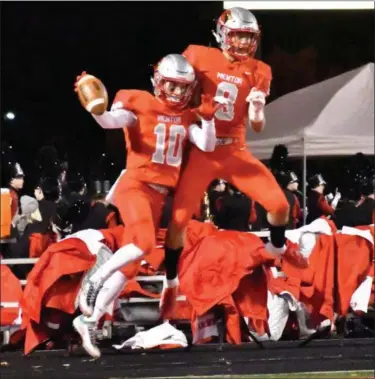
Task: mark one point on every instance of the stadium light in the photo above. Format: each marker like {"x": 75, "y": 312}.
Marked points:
{"x": 10, "y": 116}
{"x": 300, "y": 5}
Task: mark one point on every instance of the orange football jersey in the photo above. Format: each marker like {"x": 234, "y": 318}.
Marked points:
{"x": 219, "y": 77}
{"x": 156, "y": 142}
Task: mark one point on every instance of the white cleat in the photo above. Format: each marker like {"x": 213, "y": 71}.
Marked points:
{"x": 87, "y": 331}
{"x": 87, "y": 298}
{"x": 84, "y": 307}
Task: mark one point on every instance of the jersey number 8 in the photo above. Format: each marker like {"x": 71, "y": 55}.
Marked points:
{"x": 172, "y": 156}
{"x": 229, "y": 91}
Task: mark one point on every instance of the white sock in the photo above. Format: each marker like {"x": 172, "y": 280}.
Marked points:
{"x": 171, "y": 283}
{"x": 111, "y": 290}
{"x": 275, "y": 250}
{"x": 123, "y": 256}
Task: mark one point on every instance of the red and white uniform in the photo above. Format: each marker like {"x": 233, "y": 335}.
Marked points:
{"x": 230, "y": 160}
{"x": 156, "y": 141}
{"x": 155, "y": 136}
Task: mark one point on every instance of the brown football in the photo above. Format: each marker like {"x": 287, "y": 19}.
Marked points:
{"x": 92, "y": 94}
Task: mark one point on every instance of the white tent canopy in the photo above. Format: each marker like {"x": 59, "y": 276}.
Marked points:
{"x": 330, "y": 118}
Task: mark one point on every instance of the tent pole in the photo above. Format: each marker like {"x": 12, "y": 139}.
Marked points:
{"x": 304, "y": 180}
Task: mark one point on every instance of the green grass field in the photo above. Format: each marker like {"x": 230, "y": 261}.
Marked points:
{"x": 308, "y": 375}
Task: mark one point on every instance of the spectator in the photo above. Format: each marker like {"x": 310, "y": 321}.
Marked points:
{"x": 288, "y": 181}
{"x": 365, "y": 210}
{"x": 15, "y": 182}
{"x": 74, "y": 185}
{"x": 29, "y": 214}
{"x": 47, "y": 193}
{"x": 216, "y": 191}
{"x": 101, "y": 215}
{"x": 28, "y": 223}
{"x": 70, "y": 216}
{"x": 317, "y": 204}
{"x": 362, "y": 213}
{"x": 234, "y": 209}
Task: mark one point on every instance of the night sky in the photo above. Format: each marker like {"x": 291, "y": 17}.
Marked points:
{"x": 45, "y": 45}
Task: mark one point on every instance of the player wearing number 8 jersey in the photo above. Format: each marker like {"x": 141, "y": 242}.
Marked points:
{"x": 156, "y": 130}
{"x": 233, "y": 73}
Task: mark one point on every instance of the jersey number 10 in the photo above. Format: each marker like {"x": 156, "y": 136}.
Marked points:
{"x": 173, "y": 155}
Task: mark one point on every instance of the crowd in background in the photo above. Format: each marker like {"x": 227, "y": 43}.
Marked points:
{"x": 230, "y": 209}
{"x": 58, "y": 203}
{"x": 61, "y": 201}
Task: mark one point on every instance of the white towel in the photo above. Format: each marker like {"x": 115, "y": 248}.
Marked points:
{"x": 164, "y": 334}
{"x": 366, "y": 234}
{"x": 361, "y": 296}
{"x": 91, "y": 238}
{"x": 205, "y": 327}
{"x": 302, "y": 316}
{"x": 306, "y": 236}
{"x": 319, "y": 225}
{"x": 278, "y": 314}
{"x": 278, "y": 311}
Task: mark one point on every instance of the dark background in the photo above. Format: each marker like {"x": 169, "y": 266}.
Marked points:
{"x": 45, "y": 45}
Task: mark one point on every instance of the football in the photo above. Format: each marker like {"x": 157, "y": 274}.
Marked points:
{"x": 92, "y": 94}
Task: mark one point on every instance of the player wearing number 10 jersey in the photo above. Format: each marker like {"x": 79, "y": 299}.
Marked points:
{"x": 231, "y": 72}
{"x": 156, "y": 130}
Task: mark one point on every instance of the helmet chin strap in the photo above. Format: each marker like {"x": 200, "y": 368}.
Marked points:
{"x": 217, "y": 37}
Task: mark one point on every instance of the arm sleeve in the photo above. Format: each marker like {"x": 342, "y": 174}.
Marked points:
{"x": 121, "y": 114}
{"x": 13, "y": 204}
{"x": 325, "y": 208}
{"x": 296, "y": 211}
{"x": 116, "y": 119}
{"x": 205, "y": 137}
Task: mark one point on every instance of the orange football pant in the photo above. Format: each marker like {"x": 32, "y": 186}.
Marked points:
{"x": 234, "y": 164}
{"x": 140, "y": 208}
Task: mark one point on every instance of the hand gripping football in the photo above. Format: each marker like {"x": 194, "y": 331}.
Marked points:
{"x": 92, "y": 94}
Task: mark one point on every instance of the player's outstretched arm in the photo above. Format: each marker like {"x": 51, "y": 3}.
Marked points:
{"x": 256, "y": 117}
{"x": 93, "y": 97}
{"x": 116, "y": 118}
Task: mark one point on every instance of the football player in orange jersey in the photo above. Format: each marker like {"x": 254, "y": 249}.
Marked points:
{"x": 231, "y": 72}
{"x": 156, "y": 129}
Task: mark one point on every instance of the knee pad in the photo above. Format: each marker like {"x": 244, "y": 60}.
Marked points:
{"x": 180, "y": 219}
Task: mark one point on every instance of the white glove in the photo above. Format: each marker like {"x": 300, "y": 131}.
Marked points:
{"x": 335, "y": 200}
{"x": 329, "y": 197}
{"x": 256, "y": 100}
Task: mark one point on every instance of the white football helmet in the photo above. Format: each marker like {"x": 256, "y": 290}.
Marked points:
{"x": 233, "y": 21}
{"x": 174, "y": 80}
